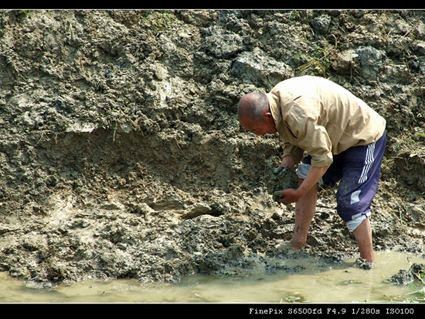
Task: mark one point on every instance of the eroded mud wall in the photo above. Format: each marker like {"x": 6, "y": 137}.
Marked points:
{"x": 121, "y": 154}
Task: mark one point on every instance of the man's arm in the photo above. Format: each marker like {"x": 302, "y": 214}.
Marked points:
{"x": 313, "y": 177}
{"x": 288, "y": 161}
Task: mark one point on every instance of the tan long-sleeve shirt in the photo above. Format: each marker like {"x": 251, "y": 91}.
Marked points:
{"x": 320, "y": 117}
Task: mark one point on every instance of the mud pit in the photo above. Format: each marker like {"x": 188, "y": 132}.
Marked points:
{"x": 121, "y": 155}
{"x": 299, "y": 279}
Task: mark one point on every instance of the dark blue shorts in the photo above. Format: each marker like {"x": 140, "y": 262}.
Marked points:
{"x": 358, "y": 170}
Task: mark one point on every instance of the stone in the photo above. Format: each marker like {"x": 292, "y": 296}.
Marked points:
{"x": 257, "y": 68}
{"x": 279, "y": 179}
{"x": 321, "y": 23}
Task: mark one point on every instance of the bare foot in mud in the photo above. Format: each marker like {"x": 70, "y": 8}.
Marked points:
{"x": 363, "y": 264}
{"x": 289, "y": 245}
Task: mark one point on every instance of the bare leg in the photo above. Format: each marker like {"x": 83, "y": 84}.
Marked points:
{"x": 363, "y": 234}
{"x": 304, "y": 212}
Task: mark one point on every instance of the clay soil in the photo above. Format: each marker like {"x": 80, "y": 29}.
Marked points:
{"x": 121, "y": 155}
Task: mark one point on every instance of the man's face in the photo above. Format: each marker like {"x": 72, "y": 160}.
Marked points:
{"x": 259, "y": 128}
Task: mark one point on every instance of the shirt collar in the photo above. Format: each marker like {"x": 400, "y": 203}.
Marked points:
{"x": 275, "y": 110}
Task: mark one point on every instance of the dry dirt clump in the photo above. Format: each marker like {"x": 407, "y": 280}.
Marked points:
{"x": 121, "y": 154}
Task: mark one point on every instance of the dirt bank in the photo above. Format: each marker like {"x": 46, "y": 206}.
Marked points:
{"x": 121, "y": 154}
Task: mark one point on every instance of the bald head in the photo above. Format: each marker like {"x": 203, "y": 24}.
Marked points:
{"x": 255, "y": 115}
{"x": 253, "y": 106}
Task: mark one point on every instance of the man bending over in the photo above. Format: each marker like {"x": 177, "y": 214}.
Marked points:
{"x": 344, "y": 140}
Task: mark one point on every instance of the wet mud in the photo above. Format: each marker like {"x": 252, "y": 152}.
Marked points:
{"x": 121, "y": 155}
{"x": 304, "y": 280}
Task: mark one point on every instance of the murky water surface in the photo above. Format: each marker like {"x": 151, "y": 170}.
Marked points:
{"x": 316, "y": 283}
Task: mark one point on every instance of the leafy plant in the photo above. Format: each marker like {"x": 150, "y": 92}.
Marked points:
{"x": 317, "y": 64}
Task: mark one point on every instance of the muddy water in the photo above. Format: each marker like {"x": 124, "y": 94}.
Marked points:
{"x": 316, "y": 283}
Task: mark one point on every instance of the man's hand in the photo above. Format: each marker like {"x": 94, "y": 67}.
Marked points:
{"x": 290, "y": 196}
{"x": 313, "y": 176}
